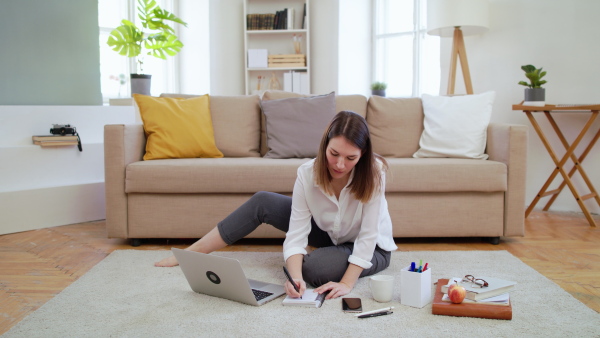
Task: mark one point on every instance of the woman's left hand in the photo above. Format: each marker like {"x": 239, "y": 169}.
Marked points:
{"x": 335, "y": 289}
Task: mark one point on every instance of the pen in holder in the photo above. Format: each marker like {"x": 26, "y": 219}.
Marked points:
{"x": 415, "y": 287}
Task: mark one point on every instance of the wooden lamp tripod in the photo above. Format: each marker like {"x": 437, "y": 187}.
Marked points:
{"x": 454, "y": 18}
{"x": 459, "y": 51}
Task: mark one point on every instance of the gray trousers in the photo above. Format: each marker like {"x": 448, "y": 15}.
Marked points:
{"x": 327, "y": 263}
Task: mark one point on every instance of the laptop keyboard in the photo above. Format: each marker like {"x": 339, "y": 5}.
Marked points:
{"x": 260, "y": 294}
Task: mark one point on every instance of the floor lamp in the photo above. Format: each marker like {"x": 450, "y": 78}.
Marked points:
{"x": 457, "y": 18}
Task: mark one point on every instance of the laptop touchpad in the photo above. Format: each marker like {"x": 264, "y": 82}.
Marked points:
{"x": 257, "y": 284}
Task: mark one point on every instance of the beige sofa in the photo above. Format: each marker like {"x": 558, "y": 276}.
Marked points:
{"x": 427, "y": 197}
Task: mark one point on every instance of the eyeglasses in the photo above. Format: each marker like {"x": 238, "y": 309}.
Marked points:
{"x": 475, "y": 282}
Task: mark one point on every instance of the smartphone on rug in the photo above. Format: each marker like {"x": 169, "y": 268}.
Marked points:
{"x": 351, "y": 305}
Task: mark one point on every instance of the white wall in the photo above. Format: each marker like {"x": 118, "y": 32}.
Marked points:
{"x": 44, "y": 187}
{"x": 560, "y": 36}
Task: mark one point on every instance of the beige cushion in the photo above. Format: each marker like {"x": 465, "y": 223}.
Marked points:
{"x": 396, "y": 124}
{"x": 236, "y": 123}
{"x": 445, "y": 175}
{"x": 295, "y": 125}
{"x": 227, "y": 175}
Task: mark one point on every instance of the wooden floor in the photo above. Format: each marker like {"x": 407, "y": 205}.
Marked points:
{"x": 37, "y": 265}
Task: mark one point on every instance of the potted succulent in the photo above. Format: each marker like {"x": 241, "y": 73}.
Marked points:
{"x": 156, "y": 39}
{"x": 378, "y": 88}
{"x": 535, "y": 95}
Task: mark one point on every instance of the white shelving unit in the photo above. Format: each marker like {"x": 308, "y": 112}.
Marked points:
{"x": 276, "y": 41}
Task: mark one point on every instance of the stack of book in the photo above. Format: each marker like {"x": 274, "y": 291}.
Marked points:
{"x": 55, "y": 140}
{"x": 260, "y": 21}
{"x": 287, "y": 60}
{"x": 491, "y": 302}
{"x": 283, "y": 19}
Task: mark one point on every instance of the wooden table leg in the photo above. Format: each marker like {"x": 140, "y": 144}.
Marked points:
{"x": 559, "y": 165}
{"x": 576, "y": 164}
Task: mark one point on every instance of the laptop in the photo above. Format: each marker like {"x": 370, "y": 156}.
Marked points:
{"x": 224, "y": 278}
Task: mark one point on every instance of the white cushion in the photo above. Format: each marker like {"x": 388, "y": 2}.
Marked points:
{"x": 455, "y": 126}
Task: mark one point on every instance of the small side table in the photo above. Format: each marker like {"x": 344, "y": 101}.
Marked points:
{"x": 548, "y": 110}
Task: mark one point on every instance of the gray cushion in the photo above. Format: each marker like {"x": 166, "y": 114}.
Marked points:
{"x": 295, "y": 125}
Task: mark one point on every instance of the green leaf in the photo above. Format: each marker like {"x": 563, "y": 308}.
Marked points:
{"x": 528, "y": 68}
{"x": 126, "y": 40}
{"x": 162, "y": 45}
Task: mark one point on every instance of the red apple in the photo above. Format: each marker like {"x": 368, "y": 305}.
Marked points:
{"x": 456, "y": 293}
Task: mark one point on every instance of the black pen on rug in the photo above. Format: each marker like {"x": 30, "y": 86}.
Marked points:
{"x": 289, "y": 277}
{"x": 376, "y": 314}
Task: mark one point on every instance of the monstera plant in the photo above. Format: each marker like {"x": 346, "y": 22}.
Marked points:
{"x": 156, "y": 37}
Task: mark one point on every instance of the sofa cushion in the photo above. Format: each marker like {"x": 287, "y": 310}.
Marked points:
{"x": 396, "y": 124}
{"x": 355, "y": 103}
{"x": 456, "y": 126}
{"x": 212, "y": 175}
{"x": 445, "y": 175}
{"x": 249, "y": 175}
{"x": 236, "y": 123}
{"x": 176, "y": 127}
{"x": 295, "y": 125}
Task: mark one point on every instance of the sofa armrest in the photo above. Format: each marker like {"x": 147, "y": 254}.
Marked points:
{"x": 123, "y": 144}
{"x": 507, "y": 143}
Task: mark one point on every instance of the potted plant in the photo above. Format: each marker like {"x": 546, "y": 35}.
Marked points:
{"x": 156, "y": 39}
{"x": 535, "y": 95}
{"x": 378, "y": 88}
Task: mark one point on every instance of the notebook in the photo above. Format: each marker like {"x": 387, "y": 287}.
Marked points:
{"x": 224, "y": 278}
{"x": 310, "y": 298}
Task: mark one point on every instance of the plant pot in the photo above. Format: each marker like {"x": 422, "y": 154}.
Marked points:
{"x": 140, "y": 84}
{"x": 378, "y": 92}
{"x": 535, "y": 97}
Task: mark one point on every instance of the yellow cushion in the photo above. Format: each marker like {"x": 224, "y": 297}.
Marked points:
{"x": 177, "y": 127}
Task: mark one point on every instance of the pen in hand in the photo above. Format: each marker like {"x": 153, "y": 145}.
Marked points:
{"x": 289, "y": 277}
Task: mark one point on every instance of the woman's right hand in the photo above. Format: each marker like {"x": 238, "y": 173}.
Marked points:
{"x": 290, "y": 291}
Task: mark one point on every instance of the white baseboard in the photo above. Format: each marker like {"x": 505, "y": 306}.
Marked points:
{"x": 47, "y": 207}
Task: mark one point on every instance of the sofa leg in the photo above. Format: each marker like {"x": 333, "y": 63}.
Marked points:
{"x": 492, "y": 240}
{"x": 136, "y": 242}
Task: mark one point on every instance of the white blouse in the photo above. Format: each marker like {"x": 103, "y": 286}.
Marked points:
{"x": 345, "y": 220}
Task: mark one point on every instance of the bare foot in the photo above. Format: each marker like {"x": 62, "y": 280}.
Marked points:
{"x": 167, "y": 262}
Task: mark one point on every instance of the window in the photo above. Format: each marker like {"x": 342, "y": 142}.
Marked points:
{"x": 115, "y": 68}
{"x": 405, "y": 57}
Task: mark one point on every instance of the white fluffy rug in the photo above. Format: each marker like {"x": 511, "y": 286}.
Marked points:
{"x": 125, "y": 296}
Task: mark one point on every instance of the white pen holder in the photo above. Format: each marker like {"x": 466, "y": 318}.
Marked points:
{"x": 415, "y": 287}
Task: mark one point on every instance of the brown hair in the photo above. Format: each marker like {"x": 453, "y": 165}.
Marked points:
{"x": 367, "y": 174}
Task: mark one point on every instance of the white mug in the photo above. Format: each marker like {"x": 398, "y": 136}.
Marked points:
{"x": 382, "y": 287}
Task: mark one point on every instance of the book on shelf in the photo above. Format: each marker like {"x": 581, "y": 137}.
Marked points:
{"x": 290, "y": 18}
{"x": 310, "y": 298}
{"x": 296, "y": 82}
{"x": 467, "y": 309}
{"x": 496, "y": 286}
{"x": 260, "y": 21}
{"x": 304, "y": 17}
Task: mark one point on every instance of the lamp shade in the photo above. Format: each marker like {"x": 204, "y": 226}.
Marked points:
{"x": 472, "y": 16}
